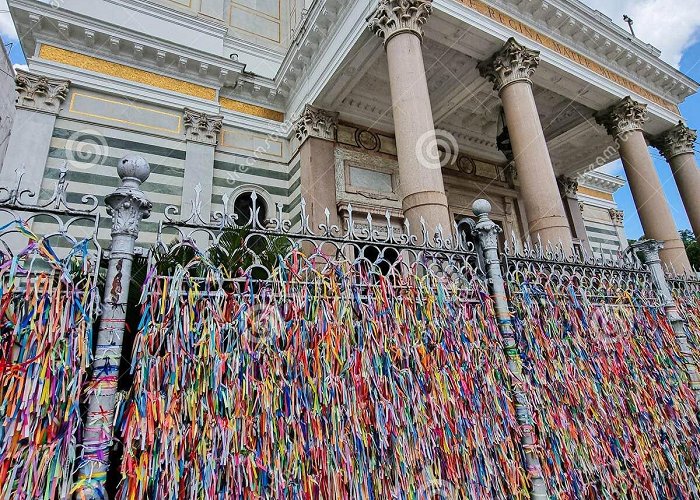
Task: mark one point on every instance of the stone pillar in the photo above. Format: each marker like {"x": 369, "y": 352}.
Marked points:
{"x": 487, "y": 233}
{"x": 678, "y": 147}
{"x": 128, "y": 206}
{"x": 202, "y": 136}
{"x": 399, "y": 23}
{"x": 316, "y": 129}
{"x": 38, "y": 103}
{"x": 568, "y": 189}
{"x": 624, "y": 122}
{"x": 618, "y": 219}
{"x": 510, "y": 70}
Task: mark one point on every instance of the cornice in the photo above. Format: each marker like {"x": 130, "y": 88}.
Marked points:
{"x": 95, "y": 38}
{"x": 595, "y": 35}
{"x": 601, "y": 181}
{"x": 312, "y": 35}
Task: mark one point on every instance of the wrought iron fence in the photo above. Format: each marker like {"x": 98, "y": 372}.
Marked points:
{"x": 50, "y": 300}
{"x": 348, "y": 343}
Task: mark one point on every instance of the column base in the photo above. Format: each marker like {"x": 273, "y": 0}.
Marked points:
{"x": 432, "y": 207}
{"x": 674, "y": 256}
{"x": 554, "y": 230}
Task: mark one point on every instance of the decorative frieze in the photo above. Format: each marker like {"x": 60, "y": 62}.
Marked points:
{"x": 568, "y": 187}
{"x": 40, "y": 93}
{"x": 512, "y": 63}
{"x": 625, "y": 116}
{"x": 393, "y": 17}
{"x": 617, "y": 216}
{"x": 316, "y": 122}
{"x": 201, "y": 127}
{"x": 677, "y": 141}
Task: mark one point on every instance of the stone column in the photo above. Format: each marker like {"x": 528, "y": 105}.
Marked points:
{"x": 678, "y": 147}
{"x": 618, "y": 219}
{"x": 38, "y": 103}
{"x": 624, "y": 122}
{"x": 510, "y": 70}
{"x": 487, "y": 233}
{"x": 400, "y": 24}
{"x": 316, "y": 129}
{"x": 202, "y": 136}
{"x": 568, "y": 189}
{"x": 128, "y": 206}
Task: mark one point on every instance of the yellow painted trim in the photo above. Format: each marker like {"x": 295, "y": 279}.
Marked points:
{"x": 594, "y": 193}
{"x": 71, "y": 109}
{"x": 572, "y": 55}
{"x": 75, "y": 59}
{"x": 250, "y": 109}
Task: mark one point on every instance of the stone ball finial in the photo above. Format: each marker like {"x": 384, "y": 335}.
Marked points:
{"x": 133, "y": 167}
{"x": 481, "y": 207}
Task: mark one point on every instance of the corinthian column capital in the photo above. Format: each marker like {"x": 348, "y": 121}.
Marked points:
{"x": 201, "y": 127}
{"x": 568, "y": 187}
{"x": 625, "y": 116}
{"x": 677, "y": 141}
{"x": 400, "y": 16}
{"x": 316, "y": 122}
{"x": 39, "y": 92}
{"x": 512, "y": 63}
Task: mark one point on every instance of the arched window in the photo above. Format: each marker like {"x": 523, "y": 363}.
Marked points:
{"x": 243, "y": 208}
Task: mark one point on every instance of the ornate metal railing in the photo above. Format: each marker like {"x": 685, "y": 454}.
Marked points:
{"x": 49, "y": 278}
{"x": 312, "y": 297}
{"x": 612, "y": 279}
{"x": 383, "y": 247}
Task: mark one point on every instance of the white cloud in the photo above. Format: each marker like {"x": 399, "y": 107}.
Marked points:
{"x": 20, "y": 66}
{"x": 7, "y": 27}
{"x": 669, "y": 25}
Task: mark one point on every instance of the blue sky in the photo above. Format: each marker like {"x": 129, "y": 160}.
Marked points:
{"x": 670, "y": 25}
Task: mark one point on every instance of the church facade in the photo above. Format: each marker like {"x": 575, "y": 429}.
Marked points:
{"x": 408, "y": 110}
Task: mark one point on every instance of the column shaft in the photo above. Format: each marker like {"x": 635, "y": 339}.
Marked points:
{"x": 420, "y": 171}
{"x": 318, "y": 180}
{"x": 510, "y": 69}
{"x": 648, "y": 194}
{"x": 28, "y": 148}
{"x": 199, "y": 173}
{"x": 685, "y": 171}
{"x": 538, "y": 184}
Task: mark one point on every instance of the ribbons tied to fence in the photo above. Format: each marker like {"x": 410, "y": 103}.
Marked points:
{"x": 613, "y": 410}
{"x": 323, "y": 381}
{"x": 47, "y": 308}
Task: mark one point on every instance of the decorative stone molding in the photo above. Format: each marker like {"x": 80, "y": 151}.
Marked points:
{"x": 316, "y": 122}
{"x": 568, "y": 187}
{"x": 40, "y": 93}
{"x": 200, "y": 127}
{"x": 677, "y": 141}
{"x": 393, "y": 17}
{"x": 617, "y": 216}
{"x": 485, "y": 229}
{"x": 128, "y": 205}
{"x": 625, "y": 116}
{"x": 512, "y": 63}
